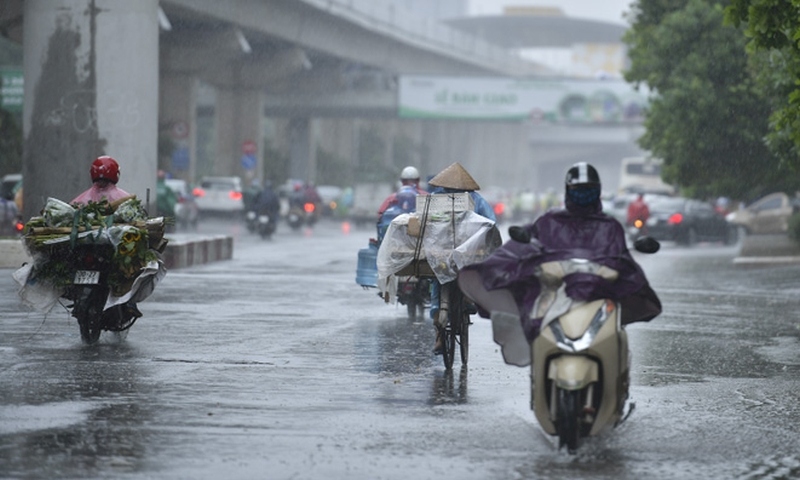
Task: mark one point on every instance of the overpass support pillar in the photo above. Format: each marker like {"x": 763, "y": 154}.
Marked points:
{"x": 90, "y": 89}
{"x": 303, "y": 148}
{"x": 177, "y": 114}
{"x": 240, "y": 133}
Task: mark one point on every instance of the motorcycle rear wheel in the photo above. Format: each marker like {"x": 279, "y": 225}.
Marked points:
{"x": 91, "y": 325}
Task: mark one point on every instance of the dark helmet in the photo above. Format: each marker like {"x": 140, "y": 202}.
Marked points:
{"x": 582, "y": 186}
{"x": 582, "y": 174}
{"x": 105, "y": 167}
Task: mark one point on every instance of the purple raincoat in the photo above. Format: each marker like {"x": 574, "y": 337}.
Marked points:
{"x": 563, "y": 234}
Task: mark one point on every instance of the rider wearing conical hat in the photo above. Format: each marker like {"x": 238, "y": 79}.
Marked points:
{"x": 453, "y": 179}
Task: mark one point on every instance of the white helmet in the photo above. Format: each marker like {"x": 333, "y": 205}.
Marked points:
{"x": 409, "y": 173}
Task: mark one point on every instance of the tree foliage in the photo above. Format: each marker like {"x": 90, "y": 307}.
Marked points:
{"x": 773, "y": 31}
{"x": 707, "y": 117}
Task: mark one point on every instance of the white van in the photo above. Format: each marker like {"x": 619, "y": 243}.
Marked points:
{"x": 643, "y": 175}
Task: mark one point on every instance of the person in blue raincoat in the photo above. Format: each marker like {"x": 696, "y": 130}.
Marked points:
{"x": 581, "y": 229}
{"x": 453, "y": 179}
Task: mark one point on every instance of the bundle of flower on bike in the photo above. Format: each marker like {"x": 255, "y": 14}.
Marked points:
{"x": 112, "y": 247}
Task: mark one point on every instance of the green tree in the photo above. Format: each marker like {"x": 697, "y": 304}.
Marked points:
{"x": 707, "y": 117}
{"x": 773, "y": 31}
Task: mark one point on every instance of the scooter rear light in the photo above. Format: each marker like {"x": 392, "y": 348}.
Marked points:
{"x": 309, "y": 207}
{"x": 19, "y": 226}
{"x": 675, "y": 219}
{"x": 499, "y": 208}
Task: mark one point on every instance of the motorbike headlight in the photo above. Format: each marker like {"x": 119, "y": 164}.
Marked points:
{"x": 582, "y": 343}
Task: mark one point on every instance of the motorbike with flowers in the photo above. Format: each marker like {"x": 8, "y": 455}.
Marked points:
{"x": 102, "y": 257}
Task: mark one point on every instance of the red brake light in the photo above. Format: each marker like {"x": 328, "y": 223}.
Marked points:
{"x": 235, "y": 195}
{"x": 675, "y": 219}
{"x": 198, "y": 192}
{"x": 19, "y": 226}
{"x": 309, "y": 207}
{"x": 499, "y": 208}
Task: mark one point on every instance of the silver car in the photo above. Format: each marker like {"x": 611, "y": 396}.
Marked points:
{"x": 769, "y": 214}
{"x": 219, "y": 195}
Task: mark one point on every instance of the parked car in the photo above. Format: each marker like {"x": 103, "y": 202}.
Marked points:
{"x": 687, "y": 221}
{"x": 770, "y": 214}
{"x": 186, "y": 210}
{"x": 219, "y": 195}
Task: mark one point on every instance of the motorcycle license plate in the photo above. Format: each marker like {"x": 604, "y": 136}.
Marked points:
{"x": 86, "y": 277}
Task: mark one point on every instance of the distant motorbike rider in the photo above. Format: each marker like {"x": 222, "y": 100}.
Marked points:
{"x": 453, "y": 179}
{"x": 405, "y": 201}
{"x": 409, "y": 183}
{"x": 267, "y": 201}
{"x": 105, "y": 174}
{"x": 250, "y": 194}
{"x": 580, "y": 229}
{"x": 638, "y": 210}
{"x": 304, "y": 193}
{"x": 166, "y": 199}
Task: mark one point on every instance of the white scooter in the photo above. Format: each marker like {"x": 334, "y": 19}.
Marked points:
{"x": 580, "y": 364}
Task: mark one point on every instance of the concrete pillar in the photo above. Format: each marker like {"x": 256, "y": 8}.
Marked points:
{"x": 91, "y": 88}
{"x": 177, "y": 114}
{"x": 303, "y": 149}
{"x": 239, "y": 121}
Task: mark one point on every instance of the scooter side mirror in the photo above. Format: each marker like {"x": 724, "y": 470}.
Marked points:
{"x": 646, "y": 245}
{"x": 519, "y": 234}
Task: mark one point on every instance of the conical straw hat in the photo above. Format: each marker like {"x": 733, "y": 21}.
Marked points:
{"x": 455, "y": 177}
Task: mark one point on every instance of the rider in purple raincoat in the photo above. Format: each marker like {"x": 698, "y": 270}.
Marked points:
{"x": 579, "y": 231}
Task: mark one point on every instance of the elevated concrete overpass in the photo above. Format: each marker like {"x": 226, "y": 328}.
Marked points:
{"x": 109, "y": 77}
{"x": 105, "y": 76}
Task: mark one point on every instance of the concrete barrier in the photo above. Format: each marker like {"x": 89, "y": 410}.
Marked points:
{"x": 768, "y": 249}
{"x": 13, "y": 254}
{"x": 181, "y": 252}
{"x": 197, "y": 251}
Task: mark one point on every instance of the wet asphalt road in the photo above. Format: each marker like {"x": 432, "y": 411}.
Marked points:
{"x": 277, "y": 365}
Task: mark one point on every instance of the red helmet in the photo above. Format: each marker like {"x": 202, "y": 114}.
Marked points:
{"x": 105, "y": 167}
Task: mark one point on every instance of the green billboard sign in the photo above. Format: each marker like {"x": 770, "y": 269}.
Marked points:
{"x": 11, "y": 89}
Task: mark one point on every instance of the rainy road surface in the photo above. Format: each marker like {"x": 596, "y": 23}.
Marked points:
{"x": 276, "y": 365}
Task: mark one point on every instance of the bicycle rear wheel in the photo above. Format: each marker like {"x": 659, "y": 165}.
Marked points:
{"x": 459, "y": 320}
{"x": 464, "y": 338}
{"x": 449, "y": 342}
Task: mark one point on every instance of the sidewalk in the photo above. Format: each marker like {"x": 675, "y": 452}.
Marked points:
{"x": 183, "y": 250}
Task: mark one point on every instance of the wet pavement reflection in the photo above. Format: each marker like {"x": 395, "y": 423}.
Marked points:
{"x": 277, "y": 365}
